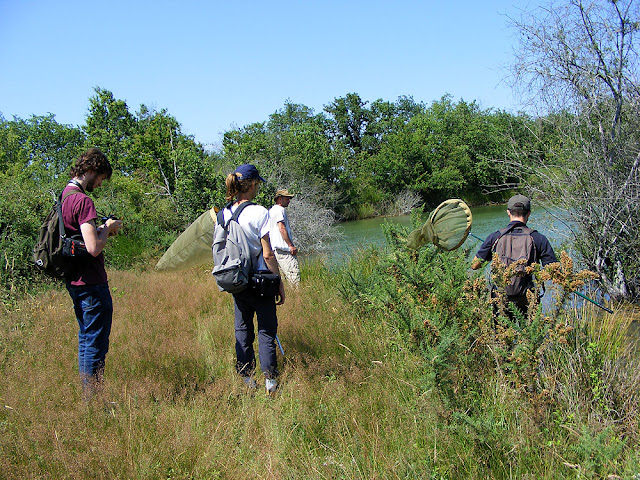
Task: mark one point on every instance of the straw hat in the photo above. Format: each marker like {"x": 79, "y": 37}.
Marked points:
{"x": 284, "y": 193}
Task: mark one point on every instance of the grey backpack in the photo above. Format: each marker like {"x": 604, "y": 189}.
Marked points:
{"x": 514, "y": 244}
{"x": 233, "y": 263}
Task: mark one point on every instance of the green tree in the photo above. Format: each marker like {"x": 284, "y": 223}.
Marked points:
{"x": 441, "y": 152}
{"x": 303, "y": 141}
{"x": 581, "y": 60}
{"x": 249, "y": 144}
{"x": 351, "y": 119}
{"x": 391, "y": 117}
{"x": 160, "y": 147}
{"x": 293, "y": 148}
{"x": 200, "y": 183}
{"x": 39, "y": 147}
{"x": 110, "y": 126}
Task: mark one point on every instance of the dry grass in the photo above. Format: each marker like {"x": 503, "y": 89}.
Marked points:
{"x": 173, "y": 406}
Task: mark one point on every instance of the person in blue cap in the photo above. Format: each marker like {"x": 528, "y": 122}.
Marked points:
{"x": 242, "y": 186}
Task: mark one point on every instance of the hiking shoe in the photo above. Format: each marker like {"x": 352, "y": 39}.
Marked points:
{"x": 250, "y": 382}
{"x": 271, "y": 385}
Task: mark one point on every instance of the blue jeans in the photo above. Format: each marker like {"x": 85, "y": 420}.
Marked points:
{"x": 94, "y": 311}
{"x": 246, "y": 304}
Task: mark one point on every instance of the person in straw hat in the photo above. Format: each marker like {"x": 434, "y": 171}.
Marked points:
{"x": 281, "y": 238}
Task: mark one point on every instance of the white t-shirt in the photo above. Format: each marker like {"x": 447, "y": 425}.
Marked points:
{"x": 254, "y": 220}
{"x": 278, "y": 214}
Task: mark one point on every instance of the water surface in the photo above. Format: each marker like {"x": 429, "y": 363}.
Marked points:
{"x": 486, "y": 220}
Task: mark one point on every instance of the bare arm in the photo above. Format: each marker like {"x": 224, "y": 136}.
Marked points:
{"x": 272, "y": 264}
{"x": 285, "y": 236}
{"x": 476, "y": 263}
{"x": 95, "y": 238}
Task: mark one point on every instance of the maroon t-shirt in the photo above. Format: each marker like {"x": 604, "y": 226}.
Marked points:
{"x": 76, "y": 210}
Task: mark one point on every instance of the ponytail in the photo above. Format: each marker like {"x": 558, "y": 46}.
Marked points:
{"x": 236, "y": 186}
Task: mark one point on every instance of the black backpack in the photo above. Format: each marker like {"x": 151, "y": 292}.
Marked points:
{"x": 516, "y": 243}
{"x": 54, "y": 252}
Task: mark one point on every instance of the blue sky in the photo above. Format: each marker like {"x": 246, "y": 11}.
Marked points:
{"x": 217, "y": 65}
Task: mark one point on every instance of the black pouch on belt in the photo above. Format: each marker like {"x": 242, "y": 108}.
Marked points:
{"x": 265, "y": 284}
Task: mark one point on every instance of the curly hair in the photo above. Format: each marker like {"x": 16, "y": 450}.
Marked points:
{"x": 93, "y": 160}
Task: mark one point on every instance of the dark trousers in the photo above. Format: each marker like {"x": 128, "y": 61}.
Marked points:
{"x": 520, "y": 302}
{"x": 246, "y": 304}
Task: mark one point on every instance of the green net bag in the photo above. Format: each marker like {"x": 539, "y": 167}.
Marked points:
{"x": 193, "y": 246}
{"x": 447, "y": 227}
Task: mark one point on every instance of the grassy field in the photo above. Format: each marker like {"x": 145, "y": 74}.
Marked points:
{"x": 173, "y": 406}
{"x": 352, "y": 403}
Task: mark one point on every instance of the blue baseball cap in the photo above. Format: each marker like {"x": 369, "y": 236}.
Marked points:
{"x": 248, "y": 172}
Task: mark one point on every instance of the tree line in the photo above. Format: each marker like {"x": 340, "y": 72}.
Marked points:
{"x": 354, "y": 159}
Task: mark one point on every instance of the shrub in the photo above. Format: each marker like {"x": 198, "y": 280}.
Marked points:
{"x": 20, "y": 218}
{"x": 551, "y": 373}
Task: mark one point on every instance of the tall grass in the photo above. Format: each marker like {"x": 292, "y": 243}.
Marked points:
{"x": 355, "y": 398}
{"x": 173, "y": 406}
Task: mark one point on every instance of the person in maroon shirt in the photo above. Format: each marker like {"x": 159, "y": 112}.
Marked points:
{"x": 87, "y": 283}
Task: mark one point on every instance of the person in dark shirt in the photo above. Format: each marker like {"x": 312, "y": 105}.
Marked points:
{"x": 518, "y": 210}
{"x": 87, "y": 281}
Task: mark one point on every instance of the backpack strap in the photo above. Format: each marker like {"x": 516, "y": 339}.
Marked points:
{"x": 61, "y": 199}
{"x": 239, "y": 210}
{"x": 503, "y": 232}
{"x": 235, "y": 215}
{"x": 220, "y": 216}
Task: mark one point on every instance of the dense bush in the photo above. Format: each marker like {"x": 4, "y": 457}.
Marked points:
{"x": 23, "y": 210}
{"x": 550, "y": 372}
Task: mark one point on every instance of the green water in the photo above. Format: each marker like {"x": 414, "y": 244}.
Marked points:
{"x": 361, "y": 233}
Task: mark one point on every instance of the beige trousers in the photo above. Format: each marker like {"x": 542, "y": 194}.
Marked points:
{"x": 289, "y": 267}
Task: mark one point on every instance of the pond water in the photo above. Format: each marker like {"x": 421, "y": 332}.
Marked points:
{"x": 486, "y": 219}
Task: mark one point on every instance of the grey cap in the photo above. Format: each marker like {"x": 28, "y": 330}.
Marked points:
{"x": 519, "y": 202}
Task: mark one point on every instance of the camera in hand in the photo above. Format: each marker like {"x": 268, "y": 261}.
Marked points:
{"x": 110, "y": 217}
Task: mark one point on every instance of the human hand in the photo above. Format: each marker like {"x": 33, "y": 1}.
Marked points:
{"x": 113, "y": 225}
{"x": 280, "y": 295}
{"x": 293, "y": 250}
